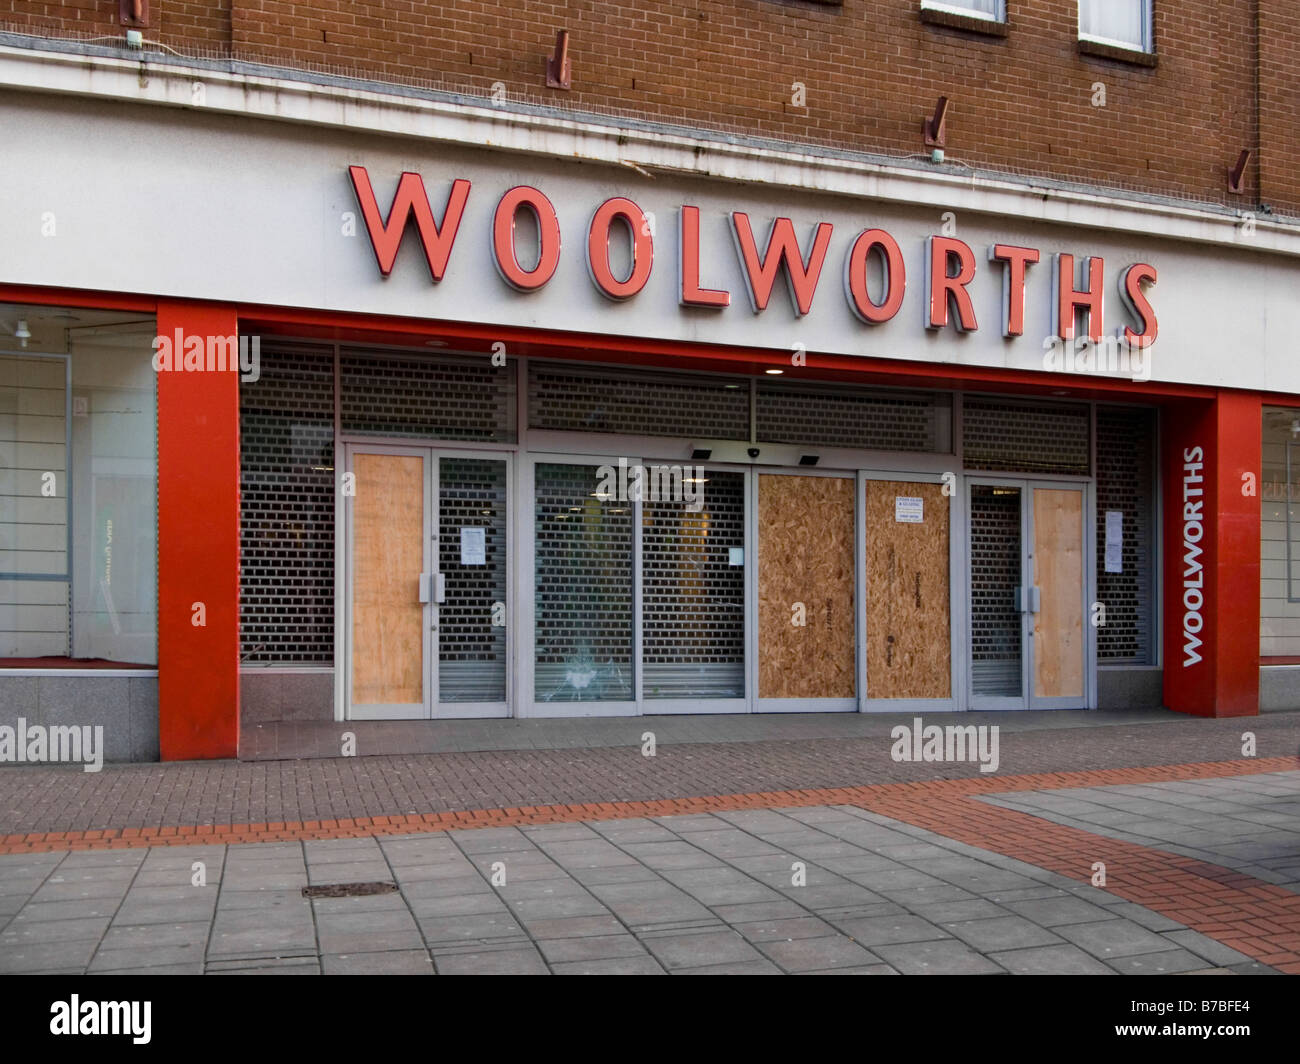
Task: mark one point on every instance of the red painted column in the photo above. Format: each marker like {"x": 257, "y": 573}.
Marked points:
{"x": 198, "y": 544}
{"x": 1211, "y": 565}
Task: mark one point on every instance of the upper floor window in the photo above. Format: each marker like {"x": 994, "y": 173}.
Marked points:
{"x": 991, "y": 10}
{"x": 1122, "y": 23}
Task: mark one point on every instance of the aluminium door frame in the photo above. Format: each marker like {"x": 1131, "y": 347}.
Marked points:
{"x": 685, "y": 706}
{"x": 430, "y": 454}
{"x": 1087, "y": 596}
{"x": 527, "y": 704}
{"x": 473, "y": 710}
{"x": 1026, "y": 700}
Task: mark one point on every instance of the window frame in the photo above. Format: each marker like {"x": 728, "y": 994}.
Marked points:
{"x": 955, "y": 7}
{"x": 1146, "y": 47}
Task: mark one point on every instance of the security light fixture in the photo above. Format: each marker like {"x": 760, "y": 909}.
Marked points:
{"x": 701, "y": 454}
{"x": 809, "y": 459}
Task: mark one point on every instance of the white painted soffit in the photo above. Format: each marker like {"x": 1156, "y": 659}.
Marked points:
{"x": 343, "y": 107}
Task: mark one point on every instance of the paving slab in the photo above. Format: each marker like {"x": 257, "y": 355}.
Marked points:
{"x": 943, "y": 957}
{"x": 391, "y": 962}
{"x": 813, "y": 954}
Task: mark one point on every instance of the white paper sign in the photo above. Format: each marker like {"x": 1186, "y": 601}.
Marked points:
{"x": 473, "y": 546}
{"x": 735, "y": 555}
{"x": 909, "y": 511}
{"x": 1114, "y": 541}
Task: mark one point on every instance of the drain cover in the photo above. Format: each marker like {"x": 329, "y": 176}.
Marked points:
{"x": 347, "y": 890}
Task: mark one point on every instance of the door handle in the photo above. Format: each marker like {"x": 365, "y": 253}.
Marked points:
{"x": 439, "y": 588}
{"x": 1035, "y": 599}
{"x": 1022, "y": 603}
{"x": 424, "y": 587}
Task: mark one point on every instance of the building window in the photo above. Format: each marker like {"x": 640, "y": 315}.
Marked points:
{"x": 1280, "y": 535}
{"x": 78, "y": 489}
{"x": 990, "y": 10}
{"x": 1119, "y": 23}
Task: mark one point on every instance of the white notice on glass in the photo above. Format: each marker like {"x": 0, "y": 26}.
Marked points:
{"x": 735, "y": 555}
{"x": 1114, "y": 541}
{"x": 909, "y": 511}
{"x": 473, "y": 546}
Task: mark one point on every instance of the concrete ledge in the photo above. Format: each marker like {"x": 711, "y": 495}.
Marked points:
{"x": 1279, "y": 688}
{"x": 285, "y": 694}
{"x": 126, "y": 707}
{"x": 1130, "y": 688}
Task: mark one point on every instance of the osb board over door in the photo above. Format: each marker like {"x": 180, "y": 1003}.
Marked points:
{"x": 387, "y": 559}
{"x": 1058, "y": 574}
{"x": 805, "y": 556}
{"x": 909, "y": 652}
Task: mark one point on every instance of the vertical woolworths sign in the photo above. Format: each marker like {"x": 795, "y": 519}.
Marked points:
{"x": 1193, "y": 531}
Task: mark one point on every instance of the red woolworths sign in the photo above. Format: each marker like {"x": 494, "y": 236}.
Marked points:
{"x": 950, "y": 263}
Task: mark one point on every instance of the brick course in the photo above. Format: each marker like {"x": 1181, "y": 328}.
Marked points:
{"x": 872, "y": 71}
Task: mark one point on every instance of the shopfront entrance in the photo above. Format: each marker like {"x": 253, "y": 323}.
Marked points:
{"x": 1028, "y": 578}
{"x": 426, "y": 582}
{"x": 560, "y": 559}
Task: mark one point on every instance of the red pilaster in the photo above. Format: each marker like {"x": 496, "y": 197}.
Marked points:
{"x": 1212, "y": 543}
{"x": 198, "y": 544}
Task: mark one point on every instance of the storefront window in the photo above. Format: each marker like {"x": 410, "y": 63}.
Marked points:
{"x": 1280, "y": 534}
{"x": 78, "y": 490}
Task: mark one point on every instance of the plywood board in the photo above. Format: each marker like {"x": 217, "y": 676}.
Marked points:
{"x": 1058, "y": 574}
{"x": 387, "y": 558}
{"x": 909, "y": 645}
{"x": 805, "y": 558}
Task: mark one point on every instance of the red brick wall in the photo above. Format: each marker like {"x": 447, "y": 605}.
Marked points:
{"x": 201, "y": 27}
{"x": 1279, "y": 103}
{"x": 872, "y": 71}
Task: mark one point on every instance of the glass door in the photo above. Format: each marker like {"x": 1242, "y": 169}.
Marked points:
{"x": 693, "y": 592}
{"x": 638, "y": 590}
{"x": 427, "y": 583}
{"x": 469, "y": 590}
{"x": 1027, "y": 594}
{"x": 584, "y": 622}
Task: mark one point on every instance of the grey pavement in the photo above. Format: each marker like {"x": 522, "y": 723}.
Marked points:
{"x": 1250, "y": 824}
{"x": 834, "y": 890}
